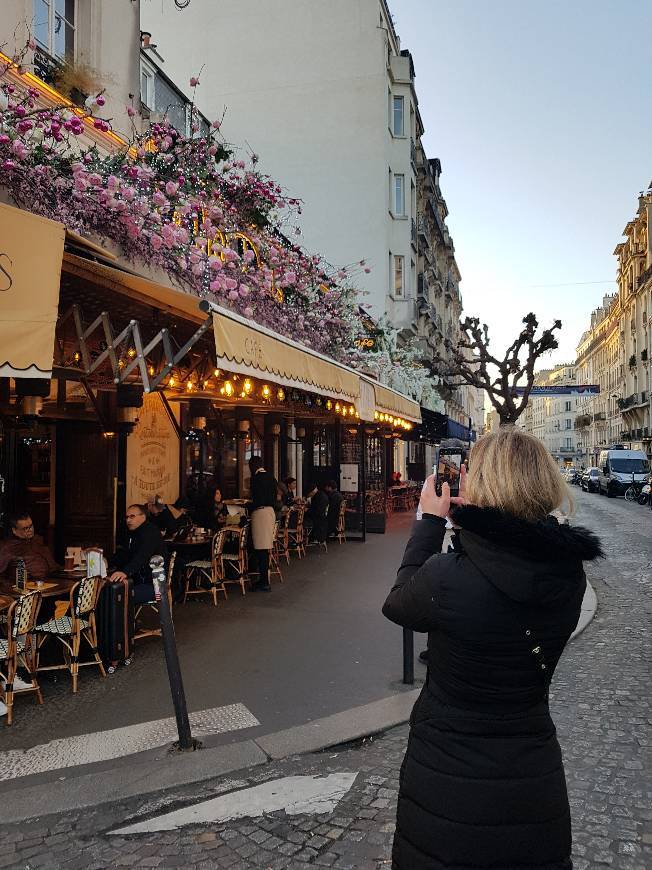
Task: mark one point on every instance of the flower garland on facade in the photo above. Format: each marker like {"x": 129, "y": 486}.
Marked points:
{"x": 213, "y": 224}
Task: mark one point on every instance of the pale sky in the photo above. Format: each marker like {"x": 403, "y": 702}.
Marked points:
{"x": 539, "y": 111}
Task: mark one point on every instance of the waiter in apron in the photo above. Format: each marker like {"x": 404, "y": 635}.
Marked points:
{"x": 263, "y": 518}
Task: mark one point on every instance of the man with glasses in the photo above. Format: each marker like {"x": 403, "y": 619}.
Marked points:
{"x": 132, "y": 558}
{"x": 24, "y": 544}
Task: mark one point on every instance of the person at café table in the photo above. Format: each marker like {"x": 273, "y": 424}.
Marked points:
{"x": 131, "y": 559}
{"x": 317, "y": 515}
{"x": 25, "y": 544}
{"x": 217, "y": 511}
{"x": 170, "y": 519}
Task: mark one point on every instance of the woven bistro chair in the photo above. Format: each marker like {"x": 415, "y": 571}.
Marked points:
{"x": 202, "y": 570}
{"x": 18, "y": 649}
{"x": 296, "y": 533}
{"x": 69, "y": 629}
{"x": 340, "y": 529}
{"x": 281, "y": 540}
{"x": 236, "y": 560}
{"x": 276, "y": 553}
{"x": 153, "y": 606}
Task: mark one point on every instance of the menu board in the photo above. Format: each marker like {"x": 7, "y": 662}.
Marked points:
{"x": 153, "y": 455}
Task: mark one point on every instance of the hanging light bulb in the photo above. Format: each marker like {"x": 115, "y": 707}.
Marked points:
{"x": 228, "y": 388}
{"x": 121, "y": 364}
{"x": 266, "y": 391}
{"x": 248, "y": 386}
{"x": 337, "y": 407}
{"x": 329, "y": 405}
{"x": 76, "y": 356}
{"x": 171, "y": 382}
{"x": 222, "y": 391}
{"x": 376, "y": 415}
{"x": 190, "y": 386}
{"x": 216, "y": 373}
{"x": 131, "y": 353}
{"x": 151, "y": 371}
{"x": 345, "y": 410}
{"x": 205, "y": 385}
{"x": 280, "y": 394}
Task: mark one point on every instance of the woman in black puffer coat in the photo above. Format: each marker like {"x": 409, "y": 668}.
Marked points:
{"x": 482, "y": 784}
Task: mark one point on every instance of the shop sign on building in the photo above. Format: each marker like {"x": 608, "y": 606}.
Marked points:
{"x": 153, "y": 455}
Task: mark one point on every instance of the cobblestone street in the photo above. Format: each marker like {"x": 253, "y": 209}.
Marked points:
{"x": 601, "y": 703}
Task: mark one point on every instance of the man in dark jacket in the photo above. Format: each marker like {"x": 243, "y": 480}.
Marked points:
{"x": 335, "y": 499}
{"x": 317, "y": 514}
{"x": 132, "y": 559}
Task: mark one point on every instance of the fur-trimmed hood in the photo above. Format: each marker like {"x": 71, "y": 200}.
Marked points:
{"x": 525, "y": 560}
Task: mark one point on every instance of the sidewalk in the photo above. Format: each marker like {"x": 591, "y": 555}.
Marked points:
{"x": 252, "y": 666}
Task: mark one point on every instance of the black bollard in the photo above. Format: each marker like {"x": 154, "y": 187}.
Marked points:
{"x": 408, "y": 656}
{"x": 186, "y": 742}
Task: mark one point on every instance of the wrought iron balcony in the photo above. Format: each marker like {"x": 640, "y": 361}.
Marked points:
{"x": 413, "y": 231}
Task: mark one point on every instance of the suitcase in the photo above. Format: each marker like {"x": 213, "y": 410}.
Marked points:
{"x": 115, "y": 624}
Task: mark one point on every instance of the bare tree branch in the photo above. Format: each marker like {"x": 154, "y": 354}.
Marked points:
{"x": 470, "y": 362}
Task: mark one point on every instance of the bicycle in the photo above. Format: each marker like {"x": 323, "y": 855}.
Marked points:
{"x": 633, "y": 490}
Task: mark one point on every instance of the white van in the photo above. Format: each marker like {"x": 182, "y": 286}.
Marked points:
{"x": 619, "y": 468}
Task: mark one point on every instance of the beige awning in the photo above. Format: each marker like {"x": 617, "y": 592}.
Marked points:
{"x": 388, "y": 401}
{"x": 31, "y": 250}
{"x": 249, "y": 349}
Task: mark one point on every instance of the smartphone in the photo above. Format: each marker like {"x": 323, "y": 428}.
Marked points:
{"x": 447, "y": 470}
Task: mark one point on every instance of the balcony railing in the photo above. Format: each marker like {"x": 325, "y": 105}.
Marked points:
{"x": 599, "y": 417}
{"x": 413, "y": 231}
{"x": 413, "y": 152}
{"x": 583, "y": 421}
{"x": 636, "y": 400}
{"x": 46, "y": 67}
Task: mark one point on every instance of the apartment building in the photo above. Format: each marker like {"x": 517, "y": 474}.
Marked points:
{"x": 325, "y": 96}
{"x": 551, "y": 418}
{"x": 600, "y": 361}
{"x": 635, "y": 305}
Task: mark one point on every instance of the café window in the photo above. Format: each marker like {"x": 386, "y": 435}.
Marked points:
{"x": 322, "y": 447}
{"x": 54, "y": 27}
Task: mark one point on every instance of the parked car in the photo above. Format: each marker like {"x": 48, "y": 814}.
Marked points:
{"x": 619, "y": 468}
{"x": 591, "y": 480}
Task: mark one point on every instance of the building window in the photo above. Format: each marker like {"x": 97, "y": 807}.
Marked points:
{"x": 569, "y": 424}
{"x": 568, "y": 406}
{"x": 398, "y": 122}
{"x": 569, "y": 444}
{"x": 399, "y": 276}
{"x": 147, "y": 87}
{"x": 399, "y": 195}
{"x": 54, "y": 27}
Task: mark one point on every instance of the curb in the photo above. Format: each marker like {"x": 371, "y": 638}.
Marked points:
{"x": 158, "y": 770}
{"x": 162, "y": 770}
{"x": 588, "y": 611}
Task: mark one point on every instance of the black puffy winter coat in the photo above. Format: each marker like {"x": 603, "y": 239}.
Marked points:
{"x": 482, "y": 784}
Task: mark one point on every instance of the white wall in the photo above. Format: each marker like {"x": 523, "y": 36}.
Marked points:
{"x": 305, "y": 85}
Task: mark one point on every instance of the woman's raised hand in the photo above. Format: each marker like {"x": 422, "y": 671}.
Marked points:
{"x": 440, "y": 505}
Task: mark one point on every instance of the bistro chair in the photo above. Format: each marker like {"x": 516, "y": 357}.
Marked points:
{"x": 212, "y": 572}
{"x": 276, "y": 553}
{"x": 340, "y": 529}
{"x": 296, "y": 535}
{"x": 236, "y": 560}
{"x": 18, "y": 649}
{"x": 281, "y": 540}
{"x": 70, "y": 629}
{"x": 153, "y": 606}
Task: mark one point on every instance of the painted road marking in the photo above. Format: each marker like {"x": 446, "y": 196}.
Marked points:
{"x": 294, "y": 794}
{"x": 118, "y": 742}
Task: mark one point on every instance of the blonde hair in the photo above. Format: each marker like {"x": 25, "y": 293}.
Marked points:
{"x": 514, "y": 472}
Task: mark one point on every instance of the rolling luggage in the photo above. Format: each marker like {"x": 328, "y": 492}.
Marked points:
{"x": 115, "y": 623}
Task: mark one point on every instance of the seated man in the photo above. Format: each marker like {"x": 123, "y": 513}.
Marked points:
{"x": 335, "y": 499}
{"x": 317, "y": 514}
{"x": 132, "y": 559}
{"x": 24, "y": 544}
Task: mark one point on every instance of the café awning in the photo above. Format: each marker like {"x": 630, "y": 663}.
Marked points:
{"x": 31, "y": 250}
{"x": 390, "y": 401}
{"x": 250, "y": 349}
